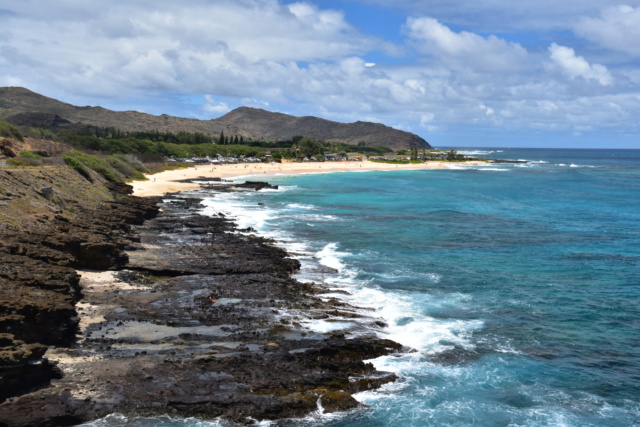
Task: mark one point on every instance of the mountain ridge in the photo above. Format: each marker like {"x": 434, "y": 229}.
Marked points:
{"x": 248, "y": 122}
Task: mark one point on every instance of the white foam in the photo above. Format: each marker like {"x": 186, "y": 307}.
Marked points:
{"x": 398, "y": 275}
{"x": 409, "y": 326}
{"x": 122, "y": 420}
{"x": 300, "y": 206}
{"x": 330, "y": 257}
{"x": 573, "y": 165}
{"x": 324, "y": 326}
{"x": 238, "y": 206}
{"x": 316, "y": 217}
{"x": 475, "y": 152}
{"x": 406, "y": 314}
{"x": 403, "y": 312}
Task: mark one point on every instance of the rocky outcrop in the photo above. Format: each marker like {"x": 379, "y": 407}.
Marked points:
{"x": 40, "y": 250}
{"x": 204, "y": 321}
{"x": 40, "y": 120}
{"x": 23, "y": 367}
{"x": 7, "y": 148}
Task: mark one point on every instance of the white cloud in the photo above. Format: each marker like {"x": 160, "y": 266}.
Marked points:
{"x": 617, "y": 28}
{"x": 142, "y": 43}
{"x": 502, "y": 15}
{"x": 576, "y": 66}
{"x": 465, "y": 49}
{"x": 215, "y": 106}
{"x": 151, "y": 70}
{"x": 9, "y": 80}
{"x": 305, "y": 60}
{"x": 487, "y": 110}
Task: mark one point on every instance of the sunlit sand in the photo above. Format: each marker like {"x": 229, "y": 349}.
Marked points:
{"x": 169, "y": 181}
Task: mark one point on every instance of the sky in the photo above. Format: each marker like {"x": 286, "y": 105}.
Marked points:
{"x": 483, "y": 73}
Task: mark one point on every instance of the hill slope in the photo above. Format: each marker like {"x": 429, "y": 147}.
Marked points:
{"x": 281, "y": 126}
{"x": 248, "y": 122}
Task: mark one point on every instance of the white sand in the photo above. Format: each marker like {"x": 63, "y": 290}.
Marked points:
{"x": 166, "y": 182}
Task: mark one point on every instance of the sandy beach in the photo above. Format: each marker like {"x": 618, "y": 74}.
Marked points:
{"x": 169, "y": 181}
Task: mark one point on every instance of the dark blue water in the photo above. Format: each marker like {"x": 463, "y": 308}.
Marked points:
{"x": 517, "y": 284}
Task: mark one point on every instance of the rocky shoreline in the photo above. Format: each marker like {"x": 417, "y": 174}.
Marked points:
{"x": 173, "y": 313}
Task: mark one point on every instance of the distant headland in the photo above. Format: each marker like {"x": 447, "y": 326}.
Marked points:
{"x": 23, "y": 107}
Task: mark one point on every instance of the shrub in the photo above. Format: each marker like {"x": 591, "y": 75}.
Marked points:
{"x": 124, "y": 168}
{"x": 133, "y": 161}
{"x": 30, "y": 155}
{"x": 78, "y": 166}
{"x": 8, "y": 130}
{"x": 97, "y": 164}
{"x": 26, "y": 158}
{"x": 22, "y": 161}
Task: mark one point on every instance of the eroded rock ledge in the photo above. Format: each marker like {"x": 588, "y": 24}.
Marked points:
{"x": 199, "y": 321}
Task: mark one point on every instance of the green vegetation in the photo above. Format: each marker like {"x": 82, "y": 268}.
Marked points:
{"x": 30, "y": 155}
{"x": 128, "y": 166}
{"x": 78, "y": 166}
{"x": 183, "y": 144}
{"x": 114, "y": 168}
{"x": 97, "y": 164}
{"x": 414, "y": 153}
{"x": 187, "y": 144}
{"x": 26, "y": 159}
{"x": 23, "y": 162}
{"x": 300, "y": 146}
{"x": 8, "y": 130}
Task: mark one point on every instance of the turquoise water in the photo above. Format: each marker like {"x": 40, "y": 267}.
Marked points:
{"x": 518, "y": 285}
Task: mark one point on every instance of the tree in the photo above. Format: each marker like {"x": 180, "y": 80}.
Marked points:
{"x": 309, "y": 147}
{"x": 221, "y": 139}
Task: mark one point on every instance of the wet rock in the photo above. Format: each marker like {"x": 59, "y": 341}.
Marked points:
{"x": 22, "y": 367}
{"x": 40, "y": 287}
{"x": 257, "y": 185}
{"x": 214, "y": 332}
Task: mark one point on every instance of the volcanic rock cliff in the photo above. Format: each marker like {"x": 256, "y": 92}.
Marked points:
{"x": 48, "y": 229}
{"x": 200, "y": 319}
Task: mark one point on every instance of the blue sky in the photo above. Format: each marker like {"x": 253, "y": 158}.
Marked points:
{"x": 487, "y": 73}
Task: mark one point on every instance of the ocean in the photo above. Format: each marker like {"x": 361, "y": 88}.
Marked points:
{"x": 517, "y": 285}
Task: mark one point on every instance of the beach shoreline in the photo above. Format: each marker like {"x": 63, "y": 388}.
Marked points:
{"x": 192, "y": 317}
{"x": 177, "y": 180}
